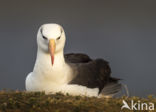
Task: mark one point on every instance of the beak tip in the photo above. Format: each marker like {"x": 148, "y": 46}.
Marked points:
{"x": 52, "y": 60}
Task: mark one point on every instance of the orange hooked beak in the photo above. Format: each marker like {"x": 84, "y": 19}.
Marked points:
{"x": 52, "y": 47}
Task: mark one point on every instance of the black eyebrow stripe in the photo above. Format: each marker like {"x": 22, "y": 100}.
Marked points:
{"x": 58, "y": 37}
{"x": 41, "y": 31}
{"x": 61, "y": 31}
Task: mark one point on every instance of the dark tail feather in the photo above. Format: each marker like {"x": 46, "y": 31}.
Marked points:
{"x": 113, "y": 79}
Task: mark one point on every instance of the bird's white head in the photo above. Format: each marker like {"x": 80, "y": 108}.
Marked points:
{"x": 51, "y": 39}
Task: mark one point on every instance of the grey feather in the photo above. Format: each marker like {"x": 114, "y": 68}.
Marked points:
{"x": 111, "y": 89}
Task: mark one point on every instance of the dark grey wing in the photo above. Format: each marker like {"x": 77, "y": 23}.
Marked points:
{"x": 77, "y": 58}
{"x": 94, "y": 74}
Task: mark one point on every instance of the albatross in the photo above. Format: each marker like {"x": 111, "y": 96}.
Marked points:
{"x": 74, "y": 73}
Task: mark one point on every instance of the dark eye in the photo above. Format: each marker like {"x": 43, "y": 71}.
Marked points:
{"x": 58, "y": 38}
{"x": 44, "y": 37}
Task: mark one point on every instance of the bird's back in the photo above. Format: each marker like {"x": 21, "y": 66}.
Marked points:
{"x": 90, "y": 73}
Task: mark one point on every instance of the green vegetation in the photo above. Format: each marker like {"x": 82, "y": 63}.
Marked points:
{"x": 16, "y": 101}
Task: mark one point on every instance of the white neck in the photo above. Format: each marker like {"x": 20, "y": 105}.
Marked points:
{"x": 44, "y": 68}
